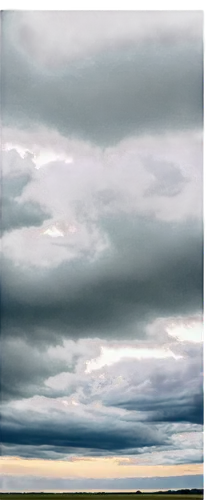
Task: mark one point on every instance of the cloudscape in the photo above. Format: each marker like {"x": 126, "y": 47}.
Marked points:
{"x": 102, "y": 250}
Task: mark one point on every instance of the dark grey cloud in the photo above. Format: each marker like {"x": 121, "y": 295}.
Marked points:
{"x": 32, "y": 483}
{"x": 151, "y": 403}
{"x": 42, "y": 35}
{"x": 141, "y": 259}
{"x": 76, "y": 432}
{"x": 17, "y": 214}
{"x": 149, "y": 88}
{"x": 152, "y": 269}
{"x": 181, "y": 403}
{"x": 37, "y": 365}
{"x": 17, "y": 173}
{"x": 115, "y": 272}
{"x": 157, "y": 390}
{"x": 35, "y": 429}
{"x": 66, "y": 293}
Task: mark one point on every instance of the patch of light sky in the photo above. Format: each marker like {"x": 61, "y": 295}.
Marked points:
{"x": 180, "y": 330}
{"x": 60, "y": 229}
{"x": 40, "y": 157}
{"x": 91, "y": 467}
{"x": 183, "y": 146}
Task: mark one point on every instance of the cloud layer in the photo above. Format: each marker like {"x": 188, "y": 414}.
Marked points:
{"x": 146, "y": 273}
{"x": 148, "y": 406}
{"x": 149, "y": 87}
{"x": 102, "y": 244}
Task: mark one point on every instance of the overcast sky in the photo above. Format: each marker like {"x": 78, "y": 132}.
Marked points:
{"x": 102, "y": 237}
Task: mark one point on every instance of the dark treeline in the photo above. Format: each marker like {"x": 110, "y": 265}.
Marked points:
{"x": 169, "y": 492}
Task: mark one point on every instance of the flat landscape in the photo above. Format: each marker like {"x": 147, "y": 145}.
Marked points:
{"x": 72, "y": 496}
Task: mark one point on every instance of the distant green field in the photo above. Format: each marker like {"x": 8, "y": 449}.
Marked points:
{"x": 58, "y": 496}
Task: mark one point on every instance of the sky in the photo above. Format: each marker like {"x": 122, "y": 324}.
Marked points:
{"x": 102, "y": 250}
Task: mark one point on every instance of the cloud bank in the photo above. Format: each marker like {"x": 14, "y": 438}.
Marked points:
{"x": 102, "y": 249}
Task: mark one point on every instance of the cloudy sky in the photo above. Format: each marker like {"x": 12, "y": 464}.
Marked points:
{"x": 102, "y": 237}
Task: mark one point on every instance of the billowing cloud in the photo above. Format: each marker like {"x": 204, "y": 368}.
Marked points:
{"x": 29, "y": 370}
{"x": 75, "y": 35}
{"x": 141, "y": 88}
{"x": 157, "y": 390}
{"x": 17, "y": 214}
{"x": 102, "y": 243}
{"x": 146, "y": 273}
{"x": 57, "y": 402}
{"x": 17, "y": 162}
{"x": 76, "y": 431}
{"x": 98, "y": 280}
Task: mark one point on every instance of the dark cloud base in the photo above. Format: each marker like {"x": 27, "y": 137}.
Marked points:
{"x": 151, "y": 268}
{"x": 154, "y": 269}
{"x": 77, "y": 433}
{"x": 152, "y": 88}
{"x": 91, "y": 431}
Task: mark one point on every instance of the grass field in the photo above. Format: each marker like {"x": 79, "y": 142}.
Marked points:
{"x": 58, "y": 496}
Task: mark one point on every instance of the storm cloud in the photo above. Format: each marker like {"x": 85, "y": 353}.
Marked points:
{"x": 115, "y": 273}
{"x": 161, "y": 414}
{"x": 143, "y": 88}
{"x": 102, "y": 247}
{"x": 147, "y": 273}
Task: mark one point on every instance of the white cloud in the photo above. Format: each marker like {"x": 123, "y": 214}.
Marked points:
{"x": 188, "y": 435}
{"x": 189, "y": 330}
{"x": 187, "y": 454}
{"x": 99, "y": 183}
